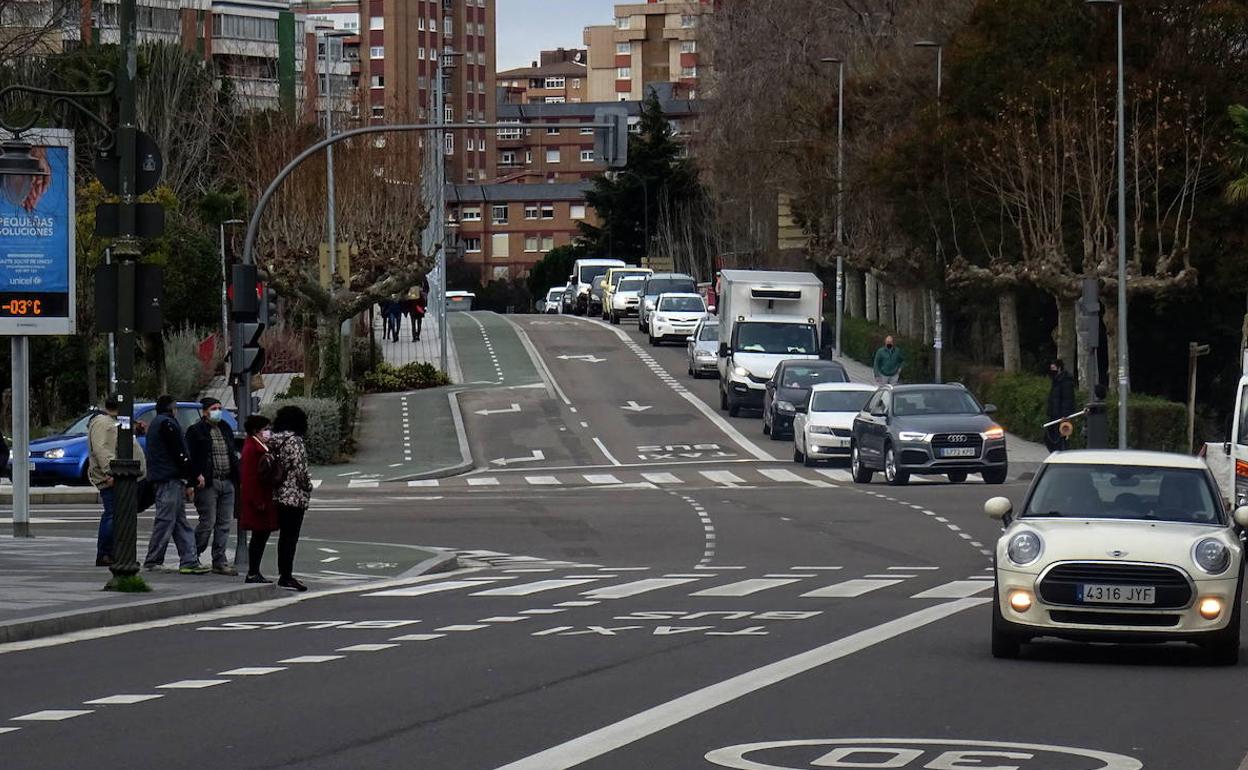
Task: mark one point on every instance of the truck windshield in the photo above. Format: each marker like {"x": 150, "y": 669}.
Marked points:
{"x": 792, "y": 339}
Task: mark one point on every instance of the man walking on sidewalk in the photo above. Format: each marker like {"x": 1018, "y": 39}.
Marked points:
{"x": 169, "y": 470}
{"x": 1061, "y": 404}
{"x": 888, "y": 362}
{"x": 101, "y": 449}
{"x": 213, "y": 459}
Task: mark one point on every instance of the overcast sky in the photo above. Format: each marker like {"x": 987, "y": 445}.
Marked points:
{"x": 526, "y": 27}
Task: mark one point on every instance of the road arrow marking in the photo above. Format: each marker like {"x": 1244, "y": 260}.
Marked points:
{"x": 510, "y": 410}
{"x": 633, "y": 406}
{"x": 589, "y": 359}
{"x": 505, "y": 461}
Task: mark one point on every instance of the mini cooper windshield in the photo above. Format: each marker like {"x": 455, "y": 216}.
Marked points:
{"x": 1124, "y": 492}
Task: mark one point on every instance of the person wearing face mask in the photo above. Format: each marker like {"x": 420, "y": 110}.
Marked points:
{"x": 101, "y": 449}
{"x": 258, "y": 511}
{"x": 888, "y": 362}
{"x": 213, "y": 459}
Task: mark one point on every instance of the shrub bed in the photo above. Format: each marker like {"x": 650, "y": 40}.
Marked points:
{"x": 414, "y": 376}
{"x": 325, "y": 436}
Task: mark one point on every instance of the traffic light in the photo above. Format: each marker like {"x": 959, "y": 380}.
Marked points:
{"x": 268, "y": 305}
{"x": 247, "y": 357}
{"x": 611, "y": 142}
{"x": 244, "y": 293}
{"x": 250, "y": 316}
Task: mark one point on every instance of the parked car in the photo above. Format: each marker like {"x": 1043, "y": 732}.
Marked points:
{"x": 551, "y": 303}
{"x": 568, "y": 301}
{"x": 62, "y": 459}
{"x": 823, "y": 429}
{"x": 626, "y": 297}
{"x": 675, "y": 316}
{"x": 788, "y": 390}
{"x": 661, "y": 283}
{"x": 1120, "y": 546}
{"x": 933, "y": 429}
{"x": 702, "y": 348}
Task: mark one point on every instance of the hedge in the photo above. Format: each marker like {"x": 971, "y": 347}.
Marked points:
{"x": 325, "y": 434}
{"x": 861, "y": 338}
{"x": 411, "y": 376}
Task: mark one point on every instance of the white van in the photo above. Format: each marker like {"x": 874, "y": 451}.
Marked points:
{"x": 583, "y": 273}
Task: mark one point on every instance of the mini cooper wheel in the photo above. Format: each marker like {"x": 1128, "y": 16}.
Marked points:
{"x": 892, "y": 474}
{"x": 861, "y": 473}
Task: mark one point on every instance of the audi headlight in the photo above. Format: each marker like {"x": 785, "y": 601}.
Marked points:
{"x": 912, "y": 435}
{"x": 1211, "y": 555}
{"x": 786, "y": 407}
{"x": 741, "y": 371}
{"x": 1024, "y": 548}
{"x": 994, "y": 432}
{"x": 821, "y": 429}
{"x": 54, "y": 454}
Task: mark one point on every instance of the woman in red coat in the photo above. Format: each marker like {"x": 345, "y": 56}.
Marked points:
{"x": 258, "y": 512}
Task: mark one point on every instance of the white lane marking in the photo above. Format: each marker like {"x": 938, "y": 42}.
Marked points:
{"x": 891, "y": 575}
{"x": 942, "y": 520}
{"x": 121, "y": 700}
{"x": 349, "y": 473}
{"x": 330, "y": 559}
{"x": 781, "y": 474}
{"x": 362, "y": 484}
{"x": 423, "y": 483}
{"x": 710, "y": 568}
{"x": 603, "y": 448}
{"x": 660, "y": 478}
{"x": 958, "y": 589}
{"x": 636, "y": 587}
{"x": 600, "y": 478}
{"x": 252, "y": 671}
{"x": 746, "y": 587}
{"x": 849, "y": 589}
{"x": 624, "y": 569}
{"x": 646, "y": 723}
{"x": 366, "y": 648}
{"x": 544, "y": 611}
{"x": 529, "y": 570}
{"x": 328, "y": 550}
{"x": 4, "y": 730}
{"x": 316, "y": 483}
{"x": 503, "y": 619}
{"x": 432, "y": 588}
{"x": 578, "y": 604}
{"x": 528, "y": 589}
{"x": 726, "y": 478}
{"x": 543, "y": 481}
{"x": 462, "y": 627}
{"x": 817, "y": 568}
{"x": 52, "y": 715}
{"x": 417, "y": 637}
{"x": 312, "y": 659}
{"x": 982, "y": 577}
{"x": 913, "y": 569}
{"x": 482, "y": 481}
{"x": 790, "y": 575}
{"x": 836, "y": 474}
{"x": 192, "y": 684}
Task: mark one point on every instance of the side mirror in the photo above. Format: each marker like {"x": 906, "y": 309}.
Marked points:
{"x": 723, "y": 350}
{"x": 1226, "y": 449}
{"x": 1241, "y": 516}
{"x": 990, "y": 408}
{"x": 1000, "y": 507}
{"x": 878, "y": 413}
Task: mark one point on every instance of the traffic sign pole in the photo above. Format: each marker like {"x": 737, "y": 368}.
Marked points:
{"x": 21, "y": 436}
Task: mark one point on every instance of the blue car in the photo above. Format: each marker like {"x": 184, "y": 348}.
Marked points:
{"x": 62, "y": 459}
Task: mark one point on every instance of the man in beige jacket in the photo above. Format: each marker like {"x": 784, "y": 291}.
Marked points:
{"x": 102, "y": 448}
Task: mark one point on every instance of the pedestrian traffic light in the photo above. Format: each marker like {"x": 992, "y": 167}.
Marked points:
{"x": 611, "y": 140}
{"x": 244, "y": 296}
{"x": 268, "y": 306}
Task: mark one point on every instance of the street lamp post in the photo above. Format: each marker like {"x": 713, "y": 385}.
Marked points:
{"x": 840, "y": 197}
{"x": 446, "y": 64}
{"x": 1124, "y": 379}
{"x": 938, "y": 332}
{"x": 225, "y": 282}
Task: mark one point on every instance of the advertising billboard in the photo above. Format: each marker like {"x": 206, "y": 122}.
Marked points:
{"x": 37, "y": 269}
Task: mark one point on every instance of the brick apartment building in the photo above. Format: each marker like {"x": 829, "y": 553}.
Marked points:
{"x": 558, "y": 77}
{"x": 651, "y": 42}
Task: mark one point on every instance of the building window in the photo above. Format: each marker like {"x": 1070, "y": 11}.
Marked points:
{"x": 578, "y": 210}
{"x": 498, "y": 214}
{"x": 470, "y": 215}
{"x": 688, "y": 21}
{"x": 688, "y": 72}
{"x": 587, "y": 156}
{"x": 555, "y": 100}
{"x": 450, "y": 143}
{"x": 548, "y": 211}
{"x": 587, "y": 132}
{"x": 508, "y": 158}
{"x": 377, "y": 22}
{"x": 377, "y": 81}
{"x": 448, "y": 113}
{"x": 552, "y": 131}
{"x": 623, "y": 73}
{"x": 576, "y": 83}
{"x": 470, "y": 176}
{"x": 377, "y": 52}
{"x": 509, "y": 133}
{"x": 448, "y": 26}
{"x": 480, "y": 145}
{"x": 472, "y": 245}
{"x": 623, "y": 49}
{"x": 528, "y": 156}
{"x": 688, "y": 46}
{"x": 548, "y": 242}
{"x": 622, "y": 22}
{"x": 554, "y": 82}
{"x": 243, "y": 27}
{"x": 530, "y": 243}
{"x": 530, "y": 211}
{"x": 379, "y": 111}
{"x": 472, "y": 144}
{"x": 420, "y": 52}
{"x": 420, "y": 23}
{"x": 552, "y": 155}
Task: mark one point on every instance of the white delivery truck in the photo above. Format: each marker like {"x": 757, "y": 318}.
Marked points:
{"x": 584, "y": 271}
{"x": 1229, "y": 462}
{"x": 765, "y": 317}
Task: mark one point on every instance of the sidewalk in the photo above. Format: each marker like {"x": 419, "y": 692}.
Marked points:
{"x": 424, "y": 350}
{"x": 1025, "y": 455}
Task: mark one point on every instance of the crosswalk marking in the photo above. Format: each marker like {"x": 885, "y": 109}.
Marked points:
{"x": 423, "y": 483}
{"x": 526, "y": 589}
{"x": 660, "y": 478}
{"x": 958, "y": 589}
{"x": 836, "y": 474}
{"x": 746, "y": 587}
{"x": 430, "y": 588}
{"x": 727, "y": 478}
{"x": 316, "y": 483}
{"x": 849, "y": 589}
{"x": 600, "y": 478}
{"x": 543, "y": 481}
{"x": 636, "y": 587}
{"x": 482, "y": 481}
{"x": 363, "y": 484}
{"x": 781, "y": 474}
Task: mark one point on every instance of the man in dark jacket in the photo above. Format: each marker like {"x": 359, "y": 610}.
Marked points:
{"x": 211, "y": 444}
{"x": 1061, "y": 403}
{"x": 169, "y": 471}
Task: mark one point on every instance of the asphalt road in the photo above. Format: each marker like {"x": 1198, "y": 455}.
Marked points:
{"x": 684, "y": 620}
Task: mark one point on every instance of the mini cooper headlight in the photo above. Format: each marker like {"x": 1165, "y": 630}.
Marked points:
{"x": 1211, "y": 555}
{"x": 1024, "y": 548}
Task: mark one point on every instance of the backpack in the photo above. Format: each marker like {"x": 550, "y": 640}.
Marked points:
{"x": 271, "y": 469}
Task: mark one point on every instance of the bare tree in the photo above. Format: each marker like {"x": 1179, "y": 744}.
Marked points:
{"x": 36, "y": 27}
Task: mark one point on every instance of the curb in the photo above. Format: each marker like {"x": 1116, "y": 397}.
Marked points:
{"x": 137, "y": 612}
{"x": 466, "y": 462}
{"x": 52, "y": 496}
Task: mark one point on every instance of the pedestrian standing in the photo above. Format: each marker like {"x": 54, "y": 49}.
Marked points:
{"x": 257, "y": 510}
{"x": 888, "y": 362}
{"x": 101, "y": 449}
{"x": 1061, "y": 404}
{"x": 392, "y": 317}
{"x": 169, "y": 472}
{"x": 294, "y": 492}
{"x": 416, "y": 309}
{"x": 213, "y": 458}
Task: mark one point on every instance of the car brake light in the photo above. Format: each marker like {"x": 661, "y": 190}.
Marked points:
{"x": 1241, "y": 468}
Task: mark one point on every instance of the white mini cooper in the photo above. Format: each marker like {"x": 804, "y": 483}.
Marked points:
{"x": 1120, "y": 546}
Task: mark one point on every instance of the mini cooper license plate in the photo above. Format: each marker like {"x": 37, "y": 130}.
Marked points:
{"x": 1102, "y": 594}
{"x": 958, "y": 451}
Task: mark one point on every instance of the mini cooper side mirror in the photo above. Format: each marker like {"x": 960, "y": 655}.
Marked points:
{"x": 1000, "y": 507}
{"x": 1241, "y": 516}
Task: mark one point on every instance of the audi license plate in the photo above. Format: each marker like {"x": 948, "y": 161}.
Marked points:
{"x": 1102, "y": 594}
{"x": 958, "y": 451}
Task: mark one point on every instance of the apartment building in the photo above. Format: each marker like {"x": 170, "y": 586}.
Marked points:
{"x": 558, "y": 77}
{"x": 651, "y": 42}
{"x": 504, "y": 229}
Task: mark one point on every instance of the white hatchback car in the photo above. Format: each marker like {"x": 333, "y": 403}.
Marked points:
{"x": 675, "y": 315}
{"x": 823, "y": 430}
{"x": 1120, "y": 546}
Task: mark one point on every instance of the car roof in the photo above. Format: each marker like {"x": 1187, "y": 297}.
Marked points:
{"x": 854, "y": 387}
{"x": 926, "y": 386}
{"x": 815, "y": 362}
{"x": 670, "y": 275}
{"x": 1125, "y": 457}
{"x": 690, "y": 294}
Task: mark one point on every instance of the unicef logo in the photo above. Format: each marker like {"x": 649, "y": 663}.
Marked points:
{"x": 914, "y": 754}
